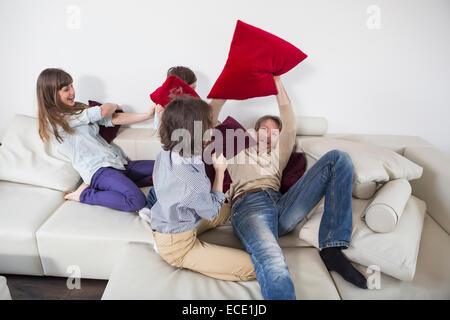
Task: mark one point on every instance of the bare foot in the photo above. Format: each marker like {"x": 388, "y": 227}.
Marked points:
{"x": 75, "y": 196}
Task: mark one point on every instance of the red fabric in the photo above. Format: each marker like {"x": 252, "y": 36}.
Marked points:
{"x": 294, "y": 170}
{"x": 171, "y": 88}
{"x": 234, "y": 139}
{"x": 255, "y": 57}
{"x": 107, "y": 133}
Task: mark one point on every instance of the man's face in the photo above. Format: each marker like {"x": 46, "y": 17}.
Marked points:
{"x": 268, "y": 134}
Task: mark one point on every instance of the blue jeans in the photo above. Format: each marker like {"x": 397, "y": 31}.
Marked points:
{"x": 258, "y": 219}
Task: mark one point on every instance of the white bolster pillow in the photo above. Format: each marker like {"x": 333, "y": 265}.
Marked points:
{"x": 386, "y": 208}
{"x": 311, "y": 126}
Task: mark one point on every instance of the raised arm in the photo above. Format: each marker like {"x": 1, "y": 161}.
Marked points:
{"x": 216, "y": 106}
{"x": 108, "y": 109}
{"x": 131, "y": 118}
{"x": 288, "y": 131}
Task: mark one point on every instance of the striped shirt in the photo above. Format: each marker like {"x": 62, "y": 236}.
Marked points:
{"x": 184, "y": 194}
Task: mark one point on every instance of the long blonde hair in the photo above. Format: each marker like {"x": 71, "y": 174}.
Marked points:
{"x": 52, "y": 111}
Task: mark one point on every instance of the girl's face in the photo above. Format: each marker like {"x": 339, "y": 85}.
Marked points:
{"x": 67, "y": 95}
{"x": 194, "y": 85}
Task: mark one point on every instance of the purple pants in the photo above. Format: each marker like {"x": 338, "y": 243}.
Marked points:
{"x": 119, "y": 189}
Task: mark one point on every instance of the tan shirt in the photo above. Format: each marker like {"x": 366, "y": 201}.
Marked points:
{"x": 248, "y": 169}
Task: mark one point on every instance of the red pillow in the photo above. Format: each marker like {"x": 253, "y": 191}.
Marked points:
{"x": 294, "y": 170}
{"x": 255, "y": 57}
{"x": 107, "y": 133}
{"x": 171, "y": 88}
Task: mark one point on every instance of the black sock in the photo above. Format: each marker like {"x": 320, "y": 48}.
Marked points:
{"x": 335, "y": 260}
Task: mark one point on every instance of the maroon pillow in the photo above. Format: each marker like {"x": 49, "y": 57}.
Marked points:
{"x": 107, "y": 133}
{"x": 171, "y": 88}
{"x": 255, "y": 57}
{"x": 211, "y": 173}
{"x": 294, "y": 170}
{"x": 234, "y": 138}
{"x": 238, "y": 138}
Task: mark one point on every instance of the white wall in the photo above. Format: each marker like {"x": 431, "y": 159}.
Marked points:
{"x": 392, "y": 80}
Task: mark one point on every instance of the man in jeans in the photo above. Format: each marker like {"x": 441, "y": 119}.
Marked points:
{"x": 260, "y": 214}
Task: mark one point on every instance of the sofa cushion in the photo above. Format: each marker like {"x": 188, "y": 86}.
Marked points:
{"x": 386, "y": 208}
{"x": 431, "y": 281}
{"x": 26, "y": 159}
{"x": 141, "y": 274}
{"x": 255, "y": 57}
{"x": 359, "y": 190}
{"x": 4, "y": 290}
{"x": 395, "y": 252}
{"x": 395, "y": 143}
{"x": 24, "y": 209}
{"x": 371, "y": 163}
{"x": 89, "y": 237}
{"x": 224, "y": 235}
{"x": 433, "y": 186}
{"x": 138, "y": 143}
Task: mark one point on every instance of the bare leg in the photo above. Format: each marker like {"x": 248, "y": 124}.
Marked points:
{"x": 75, "y": 196}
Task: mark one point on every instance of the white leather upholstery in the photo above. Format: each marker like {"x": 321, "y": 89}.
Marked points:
{"x": 36, "y": 221}
{"x": 89, "y": 237}
{"x": 394, "y": 252}
{"x": 432, "y": 278}
{"x": 26, "y": 159}
{"x": 396, "y": 143}
{"x": 4, "y": 290}
{"x": 433, "y": 187}
{"x": 225, "y": 236}
{"x": 386, "y": 208}
{"x": 371, "y": 162}
{"x": 141, "y": 274}
{"x": 24, "y": 209}
{"x": 138, "y": 143}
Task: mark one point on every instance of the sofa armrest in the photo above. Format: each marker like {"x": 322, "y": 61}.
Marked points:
{"x": 433, "y": 186}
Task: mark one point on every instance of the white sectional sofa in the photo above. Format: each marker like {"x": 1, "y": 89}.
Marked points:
{"x": 41, "y": 234}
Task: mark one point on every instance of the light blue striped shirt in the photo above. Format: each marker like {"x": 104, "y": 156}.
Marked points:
{"x": 86, "y": 149}
{"x": 184, "y": 194}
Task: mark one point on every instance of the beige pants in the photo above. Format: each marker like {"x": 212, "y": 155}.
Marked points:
{"x": 186, "y": 251}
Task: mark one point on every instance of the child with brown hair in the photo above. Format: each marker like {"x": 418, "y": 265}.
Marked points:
{"x": 185, "y": 202}
{"x": 185, "y": 74}
{"x": 110, "y": 180}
